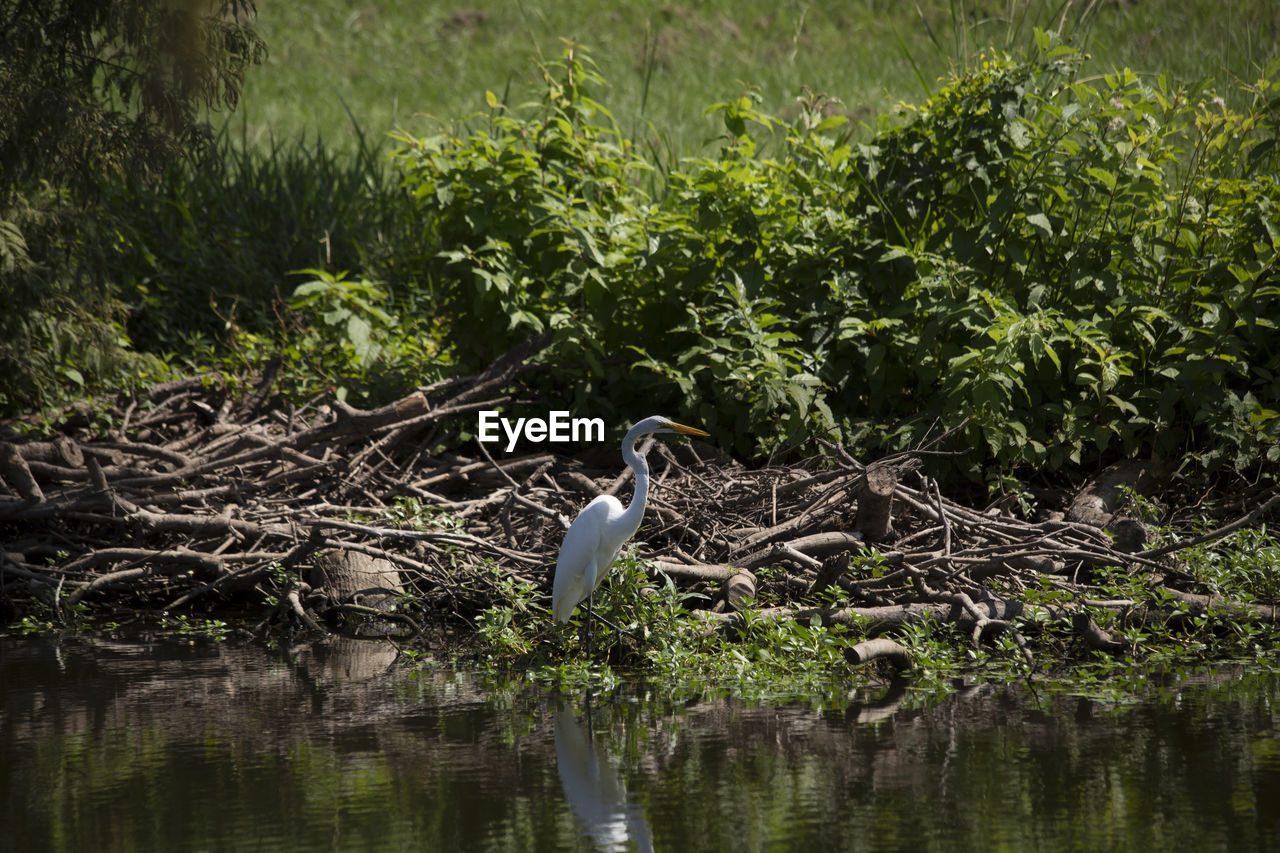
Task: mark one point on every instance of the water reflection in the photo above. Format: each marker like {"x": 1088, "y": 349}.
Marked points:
{"x": 112, "y": 744}
{"x": 594, "y": 789}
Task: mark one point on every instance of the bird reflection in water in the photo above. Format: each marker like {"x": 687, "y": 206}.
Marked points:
{"x": 595, "y": 790}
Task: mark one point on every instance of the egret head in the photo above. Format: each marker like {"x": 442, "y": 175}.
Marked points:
{"x": 658, "y": 423}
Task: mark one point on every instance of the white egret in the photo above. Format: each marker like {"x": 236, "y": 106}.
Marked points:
{"x": 602, "y": 528}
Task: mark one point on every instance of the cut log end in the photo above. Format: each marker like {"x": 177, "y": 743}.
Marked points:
{"x": 355, "y": 580}
{"x": 875, "y": 504}
{"x": 878, "y": 649}
{"x": 17, "y": 474}
{"x": 740, "y": 590}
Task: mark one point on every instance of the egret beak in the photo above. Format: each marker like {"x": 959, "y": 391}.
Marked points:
{"x": 687, "y": 430}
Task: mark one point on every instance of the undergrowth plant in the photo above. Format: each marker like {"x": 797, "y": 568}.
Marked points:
{"x": 662, "y": 637}
{"x": 669, "y": 639}
{"x": 1077, "y": 268}
{"x": 1080, "y": 267}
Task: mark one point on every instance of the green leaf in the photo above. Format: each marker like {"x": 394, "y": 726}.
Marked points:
{"x": 1019, "y": 134}
{"x": 1108, "y": 180}
{"x": 1040, "y": 222}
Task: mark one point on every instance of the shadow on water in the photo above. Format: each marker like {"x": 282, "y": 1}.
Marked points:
{"x": 111, "y": 744}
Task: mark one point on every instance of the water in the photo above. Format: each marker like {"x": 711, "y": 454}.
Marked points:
{"x": 128, "y": 745}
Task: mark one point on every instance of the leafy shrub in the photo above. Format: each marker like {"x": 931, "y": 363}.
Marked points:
{"x": 93, "y": 92}
{"x": 535, "y": 223}
{"x": 1117, "y": 245}
{"x": 62, "y": 331}
{"x": 199, "y": 269}
{"x": 1081, "y": 268}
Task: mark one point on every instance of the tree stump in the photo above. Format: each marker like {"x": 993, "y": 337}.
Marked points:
{"x": 354, "y": 578}
{"x": 740, "y": 590}
{"x": 875, "y": 504}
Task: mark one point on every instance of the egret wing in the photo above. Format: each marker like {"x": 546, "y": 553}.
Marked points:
{"x": 578, "y": 563}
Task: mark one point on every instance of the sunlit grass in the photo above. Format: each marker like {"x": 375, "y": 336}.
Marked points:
{"x": 406, "y": 65}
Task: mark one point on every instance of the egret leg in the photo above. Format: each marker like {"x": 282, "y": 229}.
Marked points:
{"x": 592, "y": 614}
{"x": 615, "y": 626}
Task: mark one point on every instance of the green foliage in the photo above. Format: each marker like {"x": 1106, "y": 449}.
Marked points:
{"x": 509, "y": 627}
{"x": 13, "y": 248}
{"x": 94, "y": 87}
{"x": 94, "y": 92}
{"x": 770, "y": 659}
{"x": 411, "y": 513}
{"x": 349, "y": 307}
{"x": 1117, "y": 242}
{"x": 664, "y": 640}
{"x": 528, "y": 223}
{"x": 1083, "y": 268}
{"x": 545, "y": 222}
{"x": 1080, "y": 268}
{"x": 1248, "y": 569}
{"x": 62, "y": 333}
{"x": 197, "y": 628}
{"x": 213, "y": 247}
{"x": 669, "y": 640}
{"x": 197, "y": 270}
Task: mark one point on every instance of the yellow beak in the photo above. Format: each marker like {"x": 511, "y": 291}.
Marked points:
{"x": 687, "y": 430}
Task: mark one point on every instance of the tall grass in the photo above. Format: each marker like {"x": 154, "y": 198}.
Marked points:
{"x": 407, "y": 64}
{"x": 217, "y": 245}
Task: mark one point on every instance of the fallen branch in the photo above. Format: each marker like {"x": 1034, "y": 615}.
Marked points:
{"x": 878, "y": 649}
{"x": 199, "y": 500}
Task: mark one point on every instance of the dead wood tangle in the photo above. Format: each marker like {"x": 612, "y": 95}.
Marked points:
{"x": 196, "y": 500}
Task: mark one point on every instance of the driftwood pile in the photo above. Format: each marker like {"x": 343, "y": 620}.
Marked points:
{"x": 328, "y": 516}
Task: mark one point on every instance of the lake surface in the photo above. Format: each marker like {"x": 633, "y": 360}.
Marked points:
{"x": 110, "y": 744}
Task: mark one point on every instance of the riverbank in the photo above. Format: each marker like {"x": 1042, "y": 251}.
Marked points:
{"x": 209, "y": 514}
